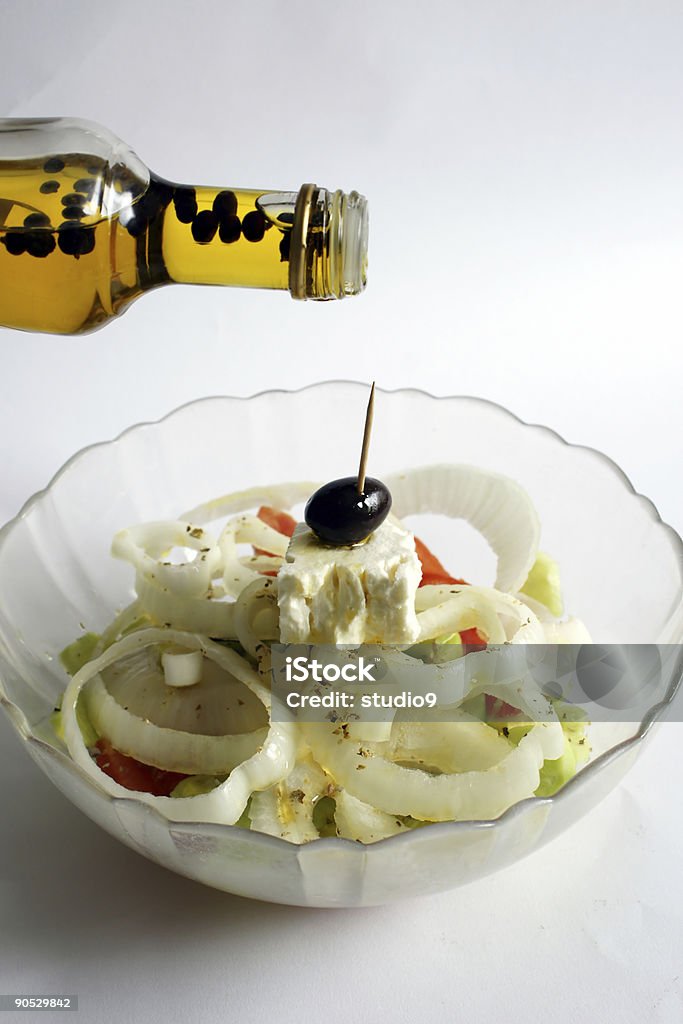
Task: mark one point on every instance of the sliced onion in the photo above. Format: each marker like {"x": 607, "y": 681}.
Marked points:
{"x": 472, "y": 795}
{"x": 217, "y": 705}
{"x": 280, "y": 496}
{"x": 501, "y": 617}
{"x": 506, "y": 675}
{"x": 189, "y": 614}
{"x": 366, "y": 729}
{"x": 572, "y": 631}
{"x": 127, "y": 617}
{"x": 493, "y": 504}
{"x": 542, "y": 613}
{"x": 237, "y": 575}
{"x": 262, "y": 563}
{"x": 361, "y": 822}
{"x": 460, "y": 744}
{"x": 531, "y": 631}
{"x": 460, "y": 612}
{"x": 182, "y": 668}
{"x": 170, "y": 749}
{"x": 252, "y": 530}
{"x": 144, "y": 545}
{"x": 286, "y": 810}
{"x": 256, "y": 614}
{"x": 568, "y": 631}
{"x": 270, "y": 764}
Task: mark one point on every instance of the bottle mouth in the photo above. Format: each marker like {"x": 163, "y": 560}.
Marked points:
{"x": 351, "y": 244}
{"x": 329, "y": 244}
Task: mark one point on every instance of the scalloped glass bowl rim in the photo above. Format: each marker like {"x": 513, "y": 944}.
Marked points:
{"x": 21, "y": 725}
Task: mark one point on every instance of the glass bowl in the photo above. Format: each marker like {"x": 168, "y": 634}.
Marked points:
{"x": 58, "y": 579}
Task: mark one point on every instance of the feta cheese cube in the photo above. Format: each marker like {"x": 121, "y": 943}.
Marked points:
{"x": 362, "y": 594}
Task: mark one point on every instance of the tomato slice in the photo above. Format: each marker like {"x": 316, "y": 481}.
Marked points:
{"x": 473, "y": 639}
{"x": 135, "y": 775}
{"x": 498, "y": 710}
{"x": 280, "y": 521}
{"x": 432, "y": 570}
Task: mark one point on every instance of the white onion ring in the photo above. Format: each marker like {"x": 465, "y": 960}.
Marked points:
{"x": 472, "y": 795}
{"x": 143, "y": 546}
{"x": 493, "y": 504}
{"x": 501, "y": 617}
{"x": 279, "y": 496}
{"x": 237, "y": 573}
{"x": 188, "y": 614}
{"x": 458, "y": 744}
{"x": 258, "y": 600}
{"x": 171, "y": 749}
{"x": 361, "y": 822}
{"x": 286, "y": 810}
{"x": 225, "y": 804}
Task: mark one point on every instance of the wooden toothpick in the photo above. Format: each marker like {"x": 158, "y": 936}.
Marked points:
{"x": 366, "y": 441}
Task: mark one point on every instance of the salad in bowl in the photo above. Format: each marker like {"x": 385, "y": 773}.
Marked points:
{"x": 145, "y": 683}
{"x": 173, "y": 700}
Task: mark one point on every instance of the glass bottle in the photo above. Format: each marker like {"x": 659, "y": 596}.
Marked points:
{"x": 85, "y": 228}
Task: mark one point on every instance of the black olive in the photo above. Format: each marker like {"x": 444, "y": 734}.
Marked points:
{"x": 40, "y": 243}
{"x": 85, "y": 185}
{"x": 204, "y": 226}
{"x": 37, "y": 220}
{"x": 53, "y": 164}
{"x": 229, "y": 229}
{"x": 253, "y": 226}
{"x": 15, "y": 242}
{"x": 185, "y": 203}
{"x": 225, "y": 204}
{"x": 73, "y": 212}
{"x": 49, "y": 186}
{"x": 75, "y": 240}
{"x": 73, "y": 199}
{"x": 87, "y": 240}
{"x": 340, "y": 516}
{"x": 69, "y": 238}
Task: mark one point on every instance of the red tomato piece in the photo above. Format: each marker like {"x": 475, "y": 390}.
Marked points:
{"x": 432, "y": 570}
{"x": 473, "y": 639}
{"x": 135, "y": 775}
{"x": 498, "y": 710}
{"x": 280, "y": 521}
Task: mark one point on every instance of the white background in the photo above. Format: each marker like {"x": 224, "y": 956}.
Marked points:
{"x": 524, "y": 167}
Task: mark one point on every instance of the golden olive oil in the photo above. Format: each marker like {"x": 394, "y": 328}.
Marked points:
{"x": 66, "y": 267}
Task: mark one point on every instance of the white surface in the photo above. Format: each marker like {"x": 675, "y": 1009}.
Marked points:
{"x": 524, "y": 164}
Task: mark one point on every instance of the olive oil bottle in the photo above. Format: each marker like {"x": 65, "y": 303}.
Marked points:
{"x": 85, "y": 228}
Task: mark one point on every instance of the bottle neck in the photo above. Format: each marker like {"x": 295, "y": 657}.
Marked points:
{"x": 329, "y": 244}
{"x": 312, "y": 243}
